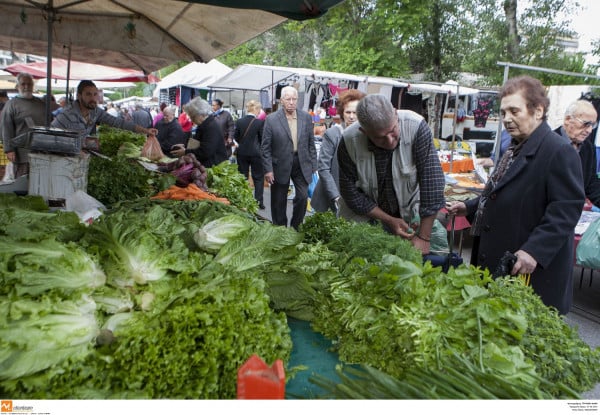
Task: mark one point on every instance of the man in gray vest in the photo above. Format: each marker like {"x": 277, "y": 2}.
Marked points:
{"x": 390, "y": 171}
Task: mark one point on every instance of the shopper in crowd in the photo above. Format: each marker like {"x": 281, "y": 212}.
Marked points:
{"x": 186, "y": 125}
{"x": 225, "y": 120}
{"x": 3, "y": 100}
{"x": 580, "y": 119}
{"x": 170, "y": 134}
{"x": 289, "y": 152}
{"x": 326, "y": 193}
{"x": 84, "y": 114}
{"x": 160, "y": 113}
{"x": 141, "y": 116}
{"x": 209, "y": 134}
{"x": 18, "y": 116}
{"x": 533, "y": 199}
{"x": 248, "y": 135}
{"x": 390, "y": 172}
{"x": 62, "y": 103}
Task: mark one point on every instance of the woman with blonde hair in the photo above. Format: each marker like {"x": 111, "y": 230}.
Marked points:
{"x": 248, "y": 135}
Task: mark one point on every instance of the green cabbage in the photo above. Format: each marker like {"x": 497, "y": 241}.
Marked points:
{"x": 213, "y": 235}
{"x": 36, "y": 334}
{"x": 36, "y": 267}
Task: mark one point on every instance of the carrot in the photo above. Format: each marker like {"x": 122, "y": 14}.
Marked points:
{"x": 190, "y": 192}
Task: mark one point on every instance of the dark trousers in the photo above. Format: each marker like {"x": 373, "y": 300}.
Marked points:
{"x": 279, "y": 192}
{"x": 253, "y": 165}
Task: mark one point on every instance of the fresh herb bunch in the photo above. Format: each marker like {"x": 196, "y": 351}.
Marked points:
{"x": 461, "y": 380}
{"x": 322, "y": 227}
{"x": 119, "y": 179}
{"x": 225, "y": 180}
{"x": 355, "y": 239}
{"x": 395, "y": 315}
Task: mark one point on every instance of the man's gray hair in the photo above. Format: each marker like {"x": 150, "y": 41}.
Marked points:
{"x": 375, "y": 112}
{"x": 288, "y": 90}
{"x": 21, "y": 75}
{"x": 579, "y": 106}
{"x": 196, "y": 107}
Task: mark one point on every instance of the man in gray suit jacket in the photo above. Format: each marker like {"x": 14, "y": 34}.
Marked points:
{"x": 288, "y": 149}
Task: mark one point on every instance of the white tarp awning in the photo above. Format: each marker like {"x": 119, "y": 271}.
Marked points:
{"x": 259, "y": 77}
{"x": 196, "y": 75}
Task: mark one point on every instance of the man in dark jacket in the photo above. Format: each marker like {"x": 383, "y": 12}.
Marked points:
{"x": 289, "y": 152}
{"x": 141, "y": 116}
{"x": 225, "y": 120}
{"x": 170, "y": 132}
{"x": 580, "y": 120}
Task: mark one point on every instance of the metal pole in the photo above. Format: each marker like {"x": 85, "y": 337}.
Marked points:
{"x": 68, "y": 73}
{"x": 51, "y": 14}
{"x": 499, "y": 130}
{"x": 454, "y": 129}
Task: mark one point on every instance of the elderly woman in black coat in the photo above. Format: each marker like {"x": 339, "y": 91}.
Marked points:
{"x": 209, "y": 133}
{"x": 533, "y": 199}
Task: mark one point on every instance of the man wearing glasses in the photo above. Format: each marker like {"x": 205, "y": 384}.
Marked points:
{"x": 580, "y": 119}
{"x": 390, "y": 171}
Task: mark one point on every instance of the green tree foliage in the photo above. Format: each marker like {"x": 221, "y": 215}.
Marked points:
{"x": 439, "y": 38}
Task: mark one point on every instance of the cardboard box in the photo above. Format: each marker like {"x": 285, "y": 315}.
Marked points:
{"x": 56, "y": 177}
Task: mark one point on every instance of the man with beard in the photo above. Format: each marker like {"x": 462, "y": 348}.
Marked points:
{"x": 18, "y": 116}
{"x": 84, "y": 114}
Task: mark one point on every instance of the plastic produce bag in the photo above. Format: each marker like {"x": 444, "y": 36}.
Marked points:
{"x": 9, "y": 173}
{"x": 589, "y": 247}
{"x": 85, "y": 206}
{"x": 151, "y": 149}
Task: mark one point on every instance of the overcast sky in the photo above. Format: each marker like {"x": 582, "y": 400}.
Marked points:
{"x": 586, "y": 24}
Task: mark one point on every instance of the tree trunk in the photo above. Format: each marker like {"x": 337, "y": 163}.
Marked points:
{"x": 510, "y": 11}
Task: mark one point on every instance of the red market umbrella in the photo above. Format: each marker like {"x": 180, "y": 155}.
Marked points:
{"x": 63, "y": 69}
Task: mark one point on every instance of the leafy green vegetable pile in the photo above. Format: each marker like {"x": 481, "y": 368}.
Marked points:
{"x": 395, "y": 314}
{"x": 167, "y": 299}
{"x": 139, "y": 311}
{"x": 225, "y": 180}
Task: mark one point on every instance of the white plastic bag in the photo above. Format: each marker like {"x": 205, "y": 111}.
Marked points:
{"x": 84, "y": 205}
{"x": 9, "y": 173}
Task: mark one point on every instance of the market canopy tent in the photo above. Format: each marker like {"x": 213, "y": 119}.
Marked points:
{"x": 63, "y": 69}
{"x": 260, "y": 77}
{"x": 142, "y": 34}
{"x": 196, "y": 75}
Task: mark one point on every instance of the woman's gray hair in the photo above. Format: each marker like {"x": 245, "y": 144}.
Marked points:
{"x": 196, "y": 107}
{"x": 375, "y": 112}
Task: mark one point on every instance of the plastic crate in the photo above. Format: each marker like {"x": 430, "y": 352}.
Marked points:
{"x": 3, "y": 158}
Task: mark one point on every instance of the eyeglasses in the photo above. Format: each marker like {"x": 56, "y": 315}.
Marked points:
{"x": 586, "y": 124}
